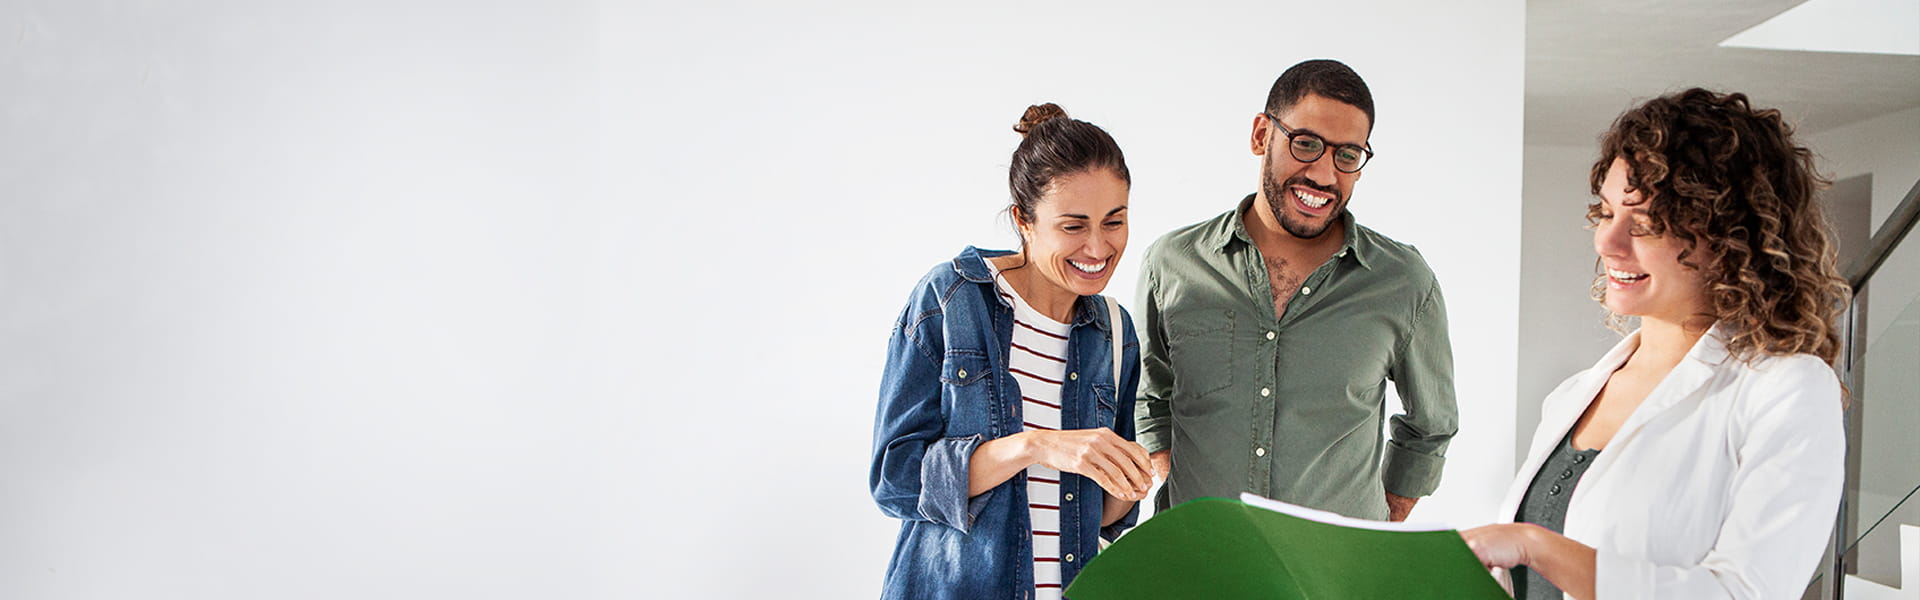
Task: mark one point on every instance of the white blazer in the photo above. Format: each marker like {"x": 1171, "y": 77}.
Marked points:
{"x": 1723, "y": 483}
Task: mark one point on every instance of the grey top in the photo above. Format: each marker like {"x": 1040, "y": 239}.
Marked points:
{"x": 1545, "y": 504}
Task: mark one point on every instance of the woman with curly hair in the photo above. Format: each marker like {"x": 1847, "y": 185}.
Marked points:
{"x": 1707, "y": 447}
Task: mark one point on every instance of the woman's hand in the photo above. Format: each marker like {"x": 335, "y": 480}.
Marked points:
{"x": 1567, "y": 564}
{"x": 1119, "y": 466}
{"x": 1503, "y": 546}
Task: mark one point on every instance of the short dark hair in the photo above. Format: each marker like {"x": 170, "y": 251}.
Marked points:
{"x": 1322, "y": 77}
{"x": 1055, "y": 146}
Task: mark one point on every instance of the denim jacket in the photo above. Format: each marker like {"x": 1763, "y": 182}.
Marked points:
{"x": 946, "y": 390}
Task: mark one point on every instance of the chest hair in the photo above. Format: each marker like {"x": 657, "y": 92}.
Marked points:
{"x": 1284, "y": 279}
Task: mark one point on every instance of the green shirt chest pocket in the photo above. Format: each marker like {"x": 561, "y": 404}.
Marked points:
{"x": 1200, "y": 346}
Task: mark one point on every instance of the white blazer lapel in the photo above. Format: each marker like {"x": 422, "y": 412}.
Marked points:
{"x": 1698, "y": 368}
{"x": 1559, "y": 412}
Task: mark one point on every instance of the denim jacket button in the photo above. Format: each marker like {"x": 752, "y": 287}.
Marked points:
{"x": 1074, "y": 376}
{"x": 1068, "y": 497}
{"x": 962, "y": 373}
{"x": 1068, "y": 557}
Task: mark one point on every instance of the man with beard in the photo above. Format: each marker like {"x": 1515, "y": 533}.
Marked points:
{"x": 1271, "y": 330}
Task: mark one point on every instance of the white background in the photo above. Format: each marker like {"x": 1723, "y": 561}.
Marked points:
{"x": 590, "y": 300}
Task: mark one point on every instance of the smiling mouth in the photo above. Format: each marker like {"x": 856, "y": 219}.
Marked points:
{"x": 1310, "y": 200}
{"x": 1625, "y": 278}
{"x": 1089, "y": 268}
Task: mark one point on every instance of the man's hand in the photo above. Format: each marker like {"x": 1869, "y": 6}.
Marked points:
{"x": 1162, "y": 463}
{"x": 1399, "y": 506}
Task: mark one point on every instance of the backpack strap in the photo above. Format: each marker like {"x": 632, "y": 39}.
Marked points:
{"x": 1113, "y": 322}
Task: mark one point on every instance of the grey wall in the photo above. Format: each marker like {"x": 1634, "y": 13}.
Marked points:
{"x": 1562, "y": 330}
{"x": 1885, "y": 148}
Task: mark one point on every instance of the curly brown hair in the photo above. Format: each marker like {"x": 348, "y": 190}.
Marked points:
{"x": 1728, "y": 181}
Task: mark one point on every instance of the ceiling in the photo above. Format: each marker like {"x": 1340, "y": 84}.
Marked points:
{"x": 1588, "y": 60}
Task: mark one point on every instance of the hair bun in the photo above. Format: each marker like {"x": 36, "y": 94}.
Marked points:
{"x": 1037, "y": 114}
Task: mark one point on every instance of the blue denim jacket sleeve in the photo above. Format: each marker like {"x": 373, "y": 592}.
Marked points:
{"x": 918, "y": 474}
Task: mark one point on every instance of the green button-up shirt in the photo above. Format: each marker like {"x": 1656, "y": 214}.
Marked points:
{"x": 1290, "y": 407}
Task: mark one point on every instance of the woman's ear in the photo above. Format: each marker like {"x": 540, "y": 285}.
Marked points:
{"x": 1022, "y": 224}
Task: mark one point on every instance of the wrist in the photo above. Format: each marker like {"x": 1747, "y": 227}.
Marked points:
{"x": 1025, "y": 448}
{"x": 1532, "y": 539}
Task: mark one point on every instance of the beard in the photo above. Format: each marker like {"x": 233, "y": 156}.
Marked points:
{"x": 1278, "y": 197}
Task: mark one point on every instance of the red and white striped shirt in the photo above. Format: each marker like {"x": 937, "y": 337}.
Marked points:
{"x": 1038, "y": 362}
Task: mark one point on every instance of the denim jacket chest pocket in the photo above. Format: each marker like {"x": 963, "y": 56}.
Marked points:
{"x": 969, "y": 390}
{"x": 1106, "y": 404}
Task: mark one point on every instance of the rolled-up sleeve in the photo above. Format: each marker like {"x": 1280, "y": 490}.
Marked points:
{"x": 1422, "y": 373}
{"x": 917, "y": 474}
{"x": 943, "y": 483}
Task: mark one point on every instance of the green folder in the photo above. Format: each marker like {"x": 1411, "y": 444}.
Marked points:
{"x": 1261, "y": 548}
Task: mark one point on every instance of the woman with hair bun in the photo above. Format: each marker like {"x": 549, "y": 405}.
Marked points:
{"x": 1004, "y": 434}
{"x": 1702, "y": 457}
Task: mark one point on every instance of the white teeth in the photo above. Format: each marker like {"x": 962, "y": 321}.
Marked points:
{"x": 1086, "y": 268}
{"x": 1310, "y": 200}
{"x": 1624, "y": 276}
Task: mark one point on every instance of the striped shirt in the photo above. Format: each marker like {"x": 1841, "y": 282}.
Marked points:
{"x": 1038, "y": 362}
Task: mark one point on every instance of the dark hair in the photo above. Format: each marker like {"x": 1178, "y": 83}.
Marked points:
{"x": 1056, "y": 146}
{"x": 1322, "y": 77}
{"x": 1729, "y": 181}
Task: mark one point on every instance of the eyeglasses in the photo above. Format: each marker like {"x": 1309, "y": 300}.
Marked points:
{"x": 1307, "y": 147}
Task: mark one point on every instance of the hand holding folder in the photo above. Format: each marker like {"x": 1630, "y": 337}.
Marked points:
{"x": 1261, "y": 548}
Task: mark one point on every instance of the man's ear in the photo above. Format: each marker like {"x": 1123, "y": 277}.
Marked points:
{"x": 1259, "y": 141}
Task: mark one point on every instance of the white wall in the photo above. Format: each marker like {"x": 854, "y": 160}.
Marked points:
{"x": 790, "y": 172}
{"x": 290, "y": 300}
{"x": 538, "y": 300}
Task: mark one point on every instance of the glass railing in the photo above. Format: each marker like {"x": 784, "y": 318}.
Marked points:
{"x": 1885, "y": 469}
{"x": 1881, "y": 367}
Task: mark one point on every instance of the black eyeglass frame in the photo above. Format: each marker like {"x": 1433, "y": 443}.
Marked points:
{"x": 1366, "y": 156}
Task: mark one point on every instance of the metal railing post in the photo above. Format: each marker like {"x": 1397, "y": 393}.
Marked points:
{"x": 1892, "y": 232}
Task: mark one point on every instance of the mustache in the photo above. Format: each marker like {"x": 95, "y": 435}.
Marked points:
{"x": 1302, "y": 181}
